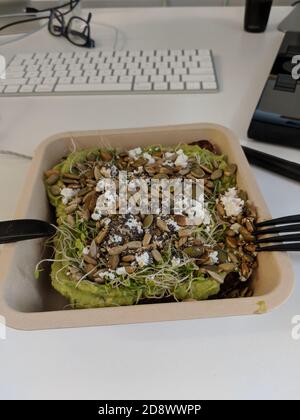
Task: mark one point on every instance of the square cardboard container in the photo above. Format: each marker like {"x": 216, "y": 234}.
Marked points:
{"x": 30, "y": 304}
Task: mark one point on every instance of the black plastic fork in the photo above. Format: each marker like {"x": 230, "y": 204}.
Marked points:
{"x": 291, "y": 241}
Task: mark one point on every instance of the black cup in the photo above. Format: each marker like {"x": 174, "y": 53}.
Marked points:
{"x": 257, "y": 15}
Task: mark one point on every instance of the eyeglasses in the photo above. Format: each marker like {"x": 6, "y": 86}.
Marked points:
{"x": 76, "y": 30}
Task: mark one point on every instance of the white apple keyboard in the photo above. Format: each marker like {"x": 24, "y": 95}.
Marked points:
{"x": 107, "y": 72}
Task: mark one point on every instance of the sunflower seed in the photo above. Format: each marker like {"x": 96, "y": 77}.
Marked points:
{"x": 162, "y": 225}
{"x": 147, "y": 239}
{"x": 52, "y": 179}
{"x": 232, "y": 257}
{"x": 147, "y": 222}
{"x": 217, "y": 174}
{"x": 230, "y": 170}
{"x": 231, "y": 242}
{"x": 245, "y": 270}
{"x": 70, "y": 220}
{"x": 220, "y": 209}
{"x": 105, "y": 155}
{"x": 55, "y": 190}
{"x": 130, "y": 270}
{"x": 89, "y": 260}
{"x": 249, "y": 226}
{"x": 113, "y": 261}
{"x": 128, "y": 258}
{"x": 198, "y": 172}
{"x": 93, "y": 249}
{"x": 193, "y": 252}
{"x": 156, "y": 255}
{"x": 184, "y": 233}
{"x": 182, "y": 241}
{"x": 180, "y": 219}
{"x": 70, "y": 209}
{"x": 184, "y": 171}
{"x": 116, "y": 250}
{"x": 206, "y": 169}
{"x": 134, "y": 244}
{"x": 90, "y": 268}
{"x": 101, "y": 235}
{"x": 97, "y": 173}
{"x": 71, "y": 176}
{"x": 226, "y": 267}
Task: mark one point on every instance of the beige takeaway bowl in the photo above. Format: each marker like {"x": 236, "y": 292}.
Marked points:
{"x": 27, "y": 303}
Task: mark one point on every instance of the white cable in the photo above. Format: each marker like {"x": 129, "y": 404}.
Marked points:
{"x": 114, "y": 28}
{"x": 16, "y": 154}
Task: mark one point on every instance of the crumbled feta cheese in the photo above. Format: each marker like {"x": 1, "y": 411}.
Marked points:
{"x": 175, "y": 262}
{"x": 196, "y": 212}
{"x": 86, "y": 250}
{"x": 135, "y": 153}
{"x": 172, "y": 225}
{"x": 137, "y": 171}
{"x": 213, "y": 256}
{"x": 132, "y": 185}
{"x": 134, "y": 224}
{"x": 100, "y": 187}
{"x": 114, "y": 171}
{"x": 168, "y": 163}
{"x": 149, "y": 158}
{"x": 182, "y": 159}
{"x": 107, "y": 275}
{"x": 106, "y": 203}
{"x": 68, "y": 194}
{"x": 235, "y": 227}
{"x": 115, "y": 239}
{"x": 143, "y": 259}
{"x": 169, "y": 155}
{"x": 233, "y": 205}
{"x": 106, "y": 221}
{"x": 121, "y": 271}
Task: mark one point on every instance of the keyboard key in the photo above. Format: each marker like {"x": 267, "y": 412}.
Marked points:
{"x": 198, "y": 70}
{"x": 27, "y": 88}
{"x": 19, "y": 81}
{"x": 35, "y": 81}
{"x": 197, "y": 78}
{"x": 12, "y": 89}
{"x": 110, "y": 79}
{"x": 80, "y": 80}
{"x": 171, "y": 79}
{"x": 142, "y": 86}
{"x": 65, "y": 80}
{"x": 14, "y": 75}
{"x": 45, "y": 88}
{"x": 193, "y": 86}
{"x": 101, "y": 87}
{"x": 141, "y": 79}
{"x": 126, "y": 79}
{"x": 180, "y": 71}
{"x": 134, "y": 72}
{"x": 157, "y": 79}
{"x": 160, "y": 86}
{"x": 206, "y": 64}
{"x": 176, "y": 86}
{"x": 209, "y": 85}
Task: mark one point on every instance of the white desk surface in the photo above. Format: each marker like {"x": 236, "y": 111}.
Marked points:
{"x": 243, "y": 357}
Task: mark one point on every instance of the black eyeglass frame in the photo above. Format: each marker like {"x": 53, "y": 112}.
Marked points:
{"x": 65, "y": 29}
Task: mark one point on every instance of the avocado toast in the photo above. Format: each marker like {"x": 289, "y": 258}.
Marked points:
{"x": 114, "y": 258}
